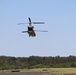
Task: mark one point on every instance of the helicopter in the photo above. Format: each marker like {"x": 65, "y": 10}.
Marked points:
{"x": 30, "y": 29}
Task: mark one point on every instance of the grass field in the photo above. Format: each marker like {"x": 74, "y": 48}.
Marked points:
{"x": 59, "y": 71}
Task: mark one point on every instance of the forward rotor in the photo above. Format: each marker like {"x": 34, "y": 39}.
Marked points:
{"x": 32, "y": 23}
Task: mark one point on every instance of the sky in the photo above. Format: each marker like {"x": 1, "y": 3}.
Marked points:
{"x": 60, "y": 22}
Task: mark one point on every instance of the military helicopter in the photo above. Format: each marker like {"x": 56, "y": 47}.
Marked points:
{"x": 31, "y": 30}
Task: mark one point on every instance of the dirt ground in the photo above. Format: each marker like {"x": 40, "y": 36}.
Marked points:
{"x": 32, "y": 73}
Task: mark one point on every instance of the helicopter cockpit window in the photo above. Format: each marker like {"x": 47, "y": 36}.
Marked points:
{"x": 30, "y": 29}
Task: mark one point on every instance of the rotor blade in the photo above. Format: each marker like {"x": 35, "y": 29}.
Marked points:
{"x": 38, "y": 22}
{"x": 32, "y": 23}
{"x": 24, "y": 31}
{"x": 22, "y": 23}
{"x": 41, "y": 30}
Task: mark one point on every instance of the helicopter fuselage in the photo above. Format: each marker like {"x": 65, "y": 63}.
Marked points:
{"x": 31, "y": 31}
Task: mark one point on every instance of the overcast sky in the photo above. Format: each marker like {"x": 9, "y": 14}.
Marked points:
{"x": 60, "y": 21}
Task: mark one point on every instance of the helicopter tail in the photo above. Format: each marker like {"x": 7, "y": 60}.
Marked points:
{"x": 29, "y": 20}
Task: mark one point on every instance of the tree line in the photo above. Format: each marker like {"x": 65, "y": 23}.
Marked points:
{"x": 8, "y": 62}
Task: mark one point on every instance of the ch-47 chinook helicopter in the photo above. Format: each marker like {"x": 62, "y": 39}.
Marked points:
{"x": 31, "y": 30}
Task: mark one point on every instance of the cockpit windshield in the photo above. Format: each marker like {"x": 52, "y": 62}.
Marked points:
{"x": 30, "y": 29}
